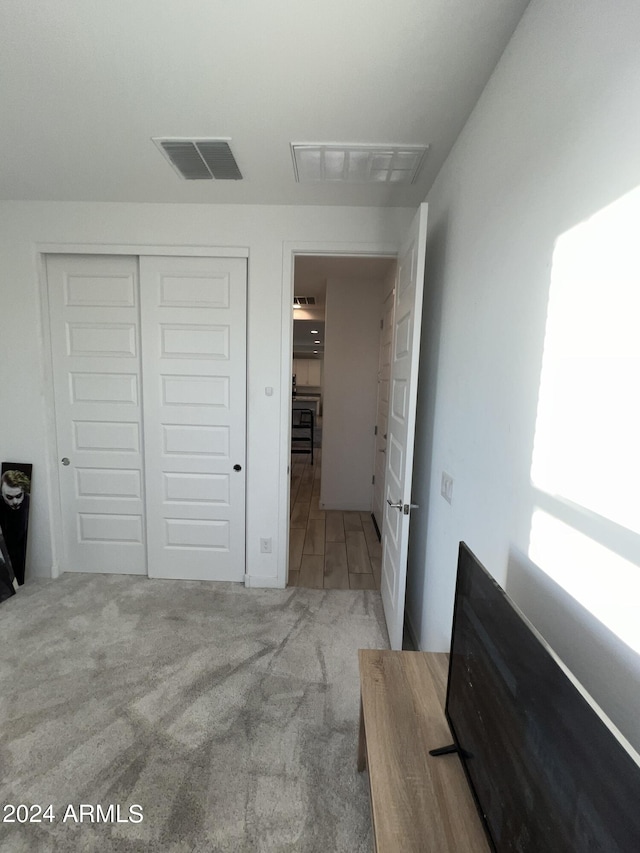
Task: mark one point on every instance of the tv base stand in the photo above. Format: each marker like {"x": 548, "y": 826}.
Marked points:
{"x": 444, "y": 750}
{"x": 419, "y": 804}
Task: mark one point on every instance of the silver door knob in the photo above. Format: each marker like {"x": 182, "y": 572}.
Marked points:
{"x": 65, "y": 461}
{"x": 404, "y": 507}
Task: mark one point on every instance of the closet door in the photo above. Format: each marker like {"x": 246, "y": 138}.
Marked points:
{"x": 93, "y": 306}
{"x": 194, "y": 366}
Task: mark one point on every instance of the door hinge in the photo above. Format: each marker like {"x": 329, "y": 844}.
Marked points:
{"x": 373, "y": 480}
{"x": 382, "y": 323}
{"x": 375, "y": 429}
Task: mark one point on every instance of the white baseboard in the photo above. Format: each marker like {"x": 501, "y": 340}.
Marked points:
{"x": 254, "y": 582}
{"x": 43, "y": 572}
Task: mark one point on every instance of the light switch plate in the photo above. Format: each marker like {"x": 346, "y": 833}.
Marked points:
{"x": 446, "y": 487}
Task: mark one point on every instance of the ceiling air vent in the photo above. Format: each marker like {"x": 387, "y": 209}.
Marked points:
{"x": 304, "y": 300}
{"x": 201, "y": 159}
{"x": 356, "y": 164}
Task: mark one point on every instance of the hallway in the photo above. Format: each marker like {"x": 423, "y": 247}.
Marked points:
{"x": 328, "y": 549}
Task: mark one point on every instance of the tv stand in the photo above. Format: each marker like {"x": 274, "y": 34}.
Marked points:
{"x": 418, "y": 804}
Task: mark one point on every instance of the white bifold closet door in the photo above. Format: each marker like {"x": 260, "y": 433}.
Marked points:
{"x": 149, "y": 369}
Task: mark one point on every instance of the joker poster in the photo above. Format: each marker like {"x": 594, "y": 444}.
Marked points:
{"x": 15, "y": 491}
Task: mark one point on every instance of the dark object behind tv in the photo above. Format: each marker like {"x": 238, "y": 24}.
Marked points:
{"x": 547, "y": 773}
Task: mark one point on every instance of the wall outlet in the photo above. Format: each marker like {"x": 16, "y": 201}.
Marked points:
{"x": 265, "y": 546}
{"x": 446, "y": 486}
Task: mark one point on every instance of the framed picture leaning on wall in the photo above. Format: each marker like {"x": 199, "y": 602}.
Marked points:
{"x": 15, "y": 501}
{"x": 7, "y": 579}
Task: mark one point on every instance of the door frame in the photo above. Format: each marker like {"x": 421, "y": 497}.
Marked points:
{"x": 130, "y": 249}
{"x": 290, "y": 250}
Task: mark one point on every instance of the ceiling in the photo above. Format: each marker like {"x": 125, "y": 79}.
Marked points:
{"x": 85, "y": 85}
{"x": 308, "y": 338}
{"x": 312, "y": 271}
{"x": 310, "y": 279}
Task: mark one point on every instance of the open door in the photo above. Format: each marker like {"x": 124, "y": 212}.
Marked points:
{"x": 401, "y": 425}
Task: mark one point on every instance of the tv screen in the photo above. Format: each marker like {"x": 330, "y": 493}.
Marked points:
{"x": 547, "y": 773}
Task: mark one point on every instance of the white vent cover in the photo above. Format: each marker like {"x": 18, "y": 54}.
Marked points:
{"x": 200, "y": 159}
{"x": 304, "y": 300}
{"x": 357, "y": 164}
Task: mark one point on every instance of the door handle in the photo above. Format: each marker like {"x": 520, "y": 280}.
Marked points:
{"x": 404, "y": 507}
{"x": 237, "y": 467}
{"x": 65, "y": 461}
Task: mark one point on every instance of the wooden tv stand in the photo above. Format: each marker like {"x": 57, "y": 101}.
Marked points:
{"x": 419, "y": 802}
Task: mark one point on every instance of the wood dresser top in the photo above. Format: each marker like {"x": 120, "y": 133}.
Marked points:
{"x": 419, "y": 802}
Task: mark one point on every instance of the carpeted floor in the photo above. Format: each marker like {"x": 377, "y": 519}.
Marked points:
{"x": 228, "y": 715}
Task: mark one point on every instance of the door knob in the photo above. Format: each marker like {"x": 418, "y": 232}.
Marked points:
{"x": 65, "y": 461}
{"x": 404, "y": 507}
{"x": 237, "y": 467}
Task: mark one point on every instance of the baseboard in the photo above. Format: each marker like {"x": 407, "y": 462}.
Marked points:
{"x": 411, "y": 632}
{"x": 377, "y": 529}
{"x": 254, "y": 582}
{"x": 43, "y": 572}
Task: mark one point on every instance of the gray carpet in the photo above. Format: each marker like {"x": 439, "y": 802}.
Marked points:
{"x": 229, "y": 715}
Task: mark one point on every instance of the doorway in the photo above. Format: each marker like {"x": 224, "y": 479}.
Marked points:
{"x": 403, "y": 380}
{"x": 339, "y": 305}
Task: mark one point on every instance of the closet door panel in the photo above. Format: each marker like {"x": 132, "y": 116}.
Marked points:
{"x": 94, "y": 329}
{"x": 194, "y": 367}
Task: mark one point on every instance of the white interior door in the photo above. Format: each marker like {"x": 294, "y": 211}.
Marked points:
{"x": 382, "y": 411}
{"x": 194, "y": 367}
{"x": 93, "y": 305}
{"x": 401, "y": 424}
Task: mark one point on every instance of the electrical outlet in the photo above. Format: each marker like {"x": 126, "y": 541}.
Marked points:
{"x": 265, "y": 546}
{"x": 446, "y": 487}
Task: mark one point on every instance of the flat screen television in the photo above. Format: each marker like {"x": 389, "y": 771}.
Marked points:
{"x": 547, "y": 772}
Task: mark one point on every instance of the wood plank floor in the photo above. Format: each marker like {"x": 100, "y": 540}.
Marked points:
{"x": 328, "y": 549}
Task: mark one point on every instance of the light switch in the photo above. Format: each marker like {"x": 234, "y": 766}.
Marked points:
{"x": 446, "y": 487}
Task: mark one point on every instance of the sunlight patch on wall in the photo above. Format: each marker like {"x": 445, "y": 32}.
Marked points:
{"x": 607, "y": 585}
{"x": 587, "y": 441}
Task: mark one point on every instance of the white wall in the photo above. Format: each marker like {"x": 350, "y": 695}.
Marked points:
{"x": 352, "y": 336}
{"x": 553, "y": 140}
{"x": 268, "y": 233}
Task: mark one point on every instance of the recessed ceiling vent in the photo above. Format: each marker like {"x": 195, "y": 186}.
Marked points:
{"x": 201, "y": 159}
{"x": 356, "y": 164}
{"x": 304, "y": 300}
